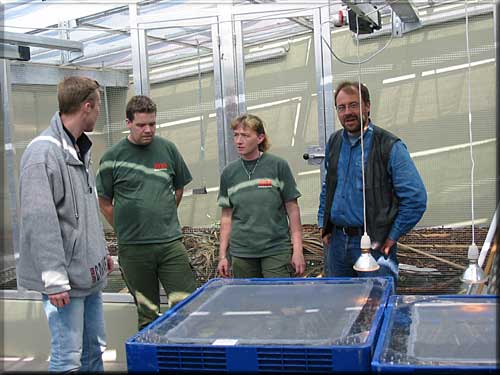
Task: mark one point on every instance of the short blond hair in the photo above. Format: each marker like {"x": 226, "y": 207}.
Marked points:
{"x": 256, "y": 124}
{"x": 73, "y": 91}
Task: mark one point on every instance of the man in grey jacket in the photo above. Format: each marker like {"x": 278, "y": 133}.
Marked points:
{"x": 62, "y": 251}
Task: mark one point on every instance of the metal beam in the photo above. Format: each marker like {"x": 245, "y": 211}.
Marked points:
{"x": 139, "y": 45}
{"x": 405, "y": 11}
{"x": 104, "y": 51}
{"x": 266, "y": 36}
{"x": 9, "y": 168}
{"x": 227, "y": 61}
{"x": 219, "y": 111}
{"x": 302, "y": 21}
{"x": 40, "y": 41}
{"x": 177, "y": 72}
{"x": 97, "y": 16}
{"x": 240, "y": 61}
{"x": 324, "y": 80}
{"x": 434, "y": 19}
{"x": 496, "y": 25}
{"x": 175, "y": 40}
{"x": 38, "y": 74}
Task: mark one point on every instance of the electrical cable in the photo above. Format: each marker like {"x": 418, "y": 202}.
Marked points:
{"x": 362, "y": 123}
{"x": 474, "y": 273}
{"x": 203, "y": 188}
{"x": 202, "y": 143}
{"x": 365, "y": 239}
{"x": 470, "y": 117}
{"x": 368, "y": 58}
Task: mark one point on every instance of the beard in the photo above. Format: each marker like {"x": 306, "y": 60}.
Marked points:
{"x": 351, "y": 123}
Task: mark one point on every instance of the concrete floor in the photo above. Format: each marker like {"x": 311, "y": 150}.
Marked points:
{"x": 30, "y": 364}
{"x": 26, "y": 338}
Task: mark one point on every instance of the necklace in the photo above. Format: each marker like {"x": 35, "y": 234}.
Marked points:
{"x": 249, "y": 174}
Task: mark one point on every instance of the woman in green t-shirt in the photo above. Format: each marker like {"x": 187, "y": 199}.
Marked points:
{"x": 260, "y": 213}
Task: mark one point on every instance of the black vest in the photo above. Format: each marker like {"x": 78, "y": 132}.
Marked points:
{"x": 381, "y": 202}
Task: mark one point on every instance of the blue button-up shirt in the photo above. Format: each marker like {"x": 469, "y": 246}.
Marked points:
{"x": 347, "y": 209}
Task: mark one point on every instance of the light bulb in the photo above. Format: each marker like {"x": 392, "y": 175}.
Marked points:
{"x": 473, "y": 274}
{"x": 366, "y": 262}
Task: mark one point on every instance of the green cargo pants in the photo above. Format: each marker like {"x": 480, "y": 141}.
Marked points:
{"x": 270, "y": 266}
{"x": 143, "y": 265}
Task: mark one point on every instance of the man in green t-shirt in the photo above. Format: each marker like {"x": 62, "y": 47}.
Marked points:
{"x": 258, "y": 196}
{"x": 140, "y": 183}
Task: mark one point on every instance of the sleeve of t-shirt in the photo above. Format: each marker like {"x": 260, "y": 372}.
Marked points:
{"x": 104, "y": 177}
{"x": 289, "y": 189}
{"x": 223, "y": 198}
{"x": 182, "y": 173}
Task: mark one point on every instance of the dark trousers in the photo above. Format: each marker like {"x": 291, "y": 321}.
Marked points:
{"x": 277, "y": 265}
{"x": 143, "y": 265}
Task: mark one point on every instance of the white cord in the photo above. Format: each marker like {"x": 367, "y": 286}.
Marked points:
{"x": 368, "y": 58}
{"x": 359, "y": 62}
{"x": 470, "y": 117}
{"x": 202, "y": 130}
{"x": 361, "y": 119}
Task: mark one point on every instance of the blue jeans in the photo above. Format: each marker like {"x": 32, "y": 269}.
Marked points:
{"x": 77, "y": 334}
{"x": 344, "y": 251}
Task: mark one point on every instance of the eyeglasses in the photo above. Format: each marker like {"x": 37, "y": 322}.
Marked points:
{"x": 352, "y": 106}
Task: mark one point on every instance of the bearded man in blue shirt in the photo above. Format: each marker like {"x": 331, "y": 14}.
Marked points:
{"x": 395, "y": 196}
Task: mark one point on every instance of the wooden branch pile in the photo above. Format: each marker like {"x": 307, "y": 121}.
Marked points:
{"x": 202, "y": 245}
{"x": 437, "y": 256}
{"x": 431, "y": 260}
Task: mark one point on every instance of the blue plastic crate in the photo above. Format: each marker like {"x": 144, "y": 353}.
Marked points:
{"x": 296, "y": 325}
{"x": 438, "y": 334}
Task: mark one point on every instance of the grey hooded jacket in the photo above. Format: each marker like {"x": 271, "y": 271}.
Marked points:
{"x": 62, "y": 246}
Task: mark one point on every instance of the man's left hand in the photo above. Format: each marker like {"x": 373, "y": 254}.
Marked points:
{"x": 386, "y": 247}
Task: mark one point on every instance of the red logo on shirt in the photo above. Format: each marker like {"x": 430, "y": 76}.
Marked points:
{"x": 160, "y": 166}
{"x": 265, "y": 183}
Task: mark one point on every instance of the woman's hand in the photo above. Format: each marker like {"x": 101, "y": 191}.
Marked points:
{"x": 223, "y": 267}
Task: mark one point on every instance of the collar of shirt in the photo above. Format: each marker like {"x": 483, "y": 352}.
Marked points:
{"x": 73, "y": 140}
{"x": 82, "y": 144}
{"x": 349, "y": 139}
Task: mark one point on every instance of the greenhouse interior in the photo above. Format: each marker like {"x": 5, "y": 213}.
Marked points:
{"x": 431, "y": 67}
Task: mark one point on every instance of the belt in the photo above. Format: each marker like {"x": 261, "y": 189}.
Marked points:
{"x": 350, "y": 231}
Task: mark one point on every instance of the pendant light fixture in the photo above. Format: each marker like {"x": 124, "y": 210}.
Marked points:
{"x": 473, "y": 274}
{"x": 366, "y": 262}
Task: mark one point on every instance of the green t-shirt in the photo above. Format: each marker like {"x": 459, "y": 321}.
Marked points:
{"x": 259, "y": 221}
{"x": 141, "y": 181}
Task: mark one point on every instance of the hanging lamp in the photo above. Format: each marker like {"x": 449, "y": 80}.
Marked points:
{"x": 473, "y": 274}
{"x": 365, "y": 262}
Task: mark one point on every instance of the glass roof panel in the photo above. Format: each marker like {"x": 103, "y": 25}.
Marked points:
{"x": 103, "y": 27}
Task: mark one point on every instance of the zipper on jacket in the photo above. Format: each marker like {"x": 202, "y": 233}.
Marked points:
{"x": 88, "y": 182}
{"x": 75, "y": 207}
{"x": 87, "y": 163}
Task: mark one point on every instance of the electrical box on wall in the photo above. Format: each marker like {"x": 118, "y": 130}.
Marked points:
{"x": 365, "y": 27}
{"x": 12, "y": 52}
